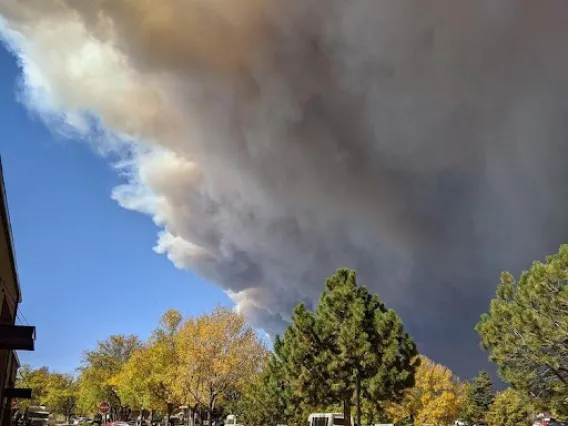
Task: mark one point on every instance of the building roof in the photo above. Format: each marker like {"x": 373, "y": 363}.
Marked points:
{"x": 8, "y": 231}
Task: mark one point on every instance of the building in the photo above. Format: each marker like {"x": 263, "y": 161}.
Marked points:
{"x": 12, "y": 337}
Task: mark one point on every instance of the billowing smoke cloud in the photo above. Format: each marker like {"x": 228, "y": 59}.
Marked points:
{"x": 422, "y": 143}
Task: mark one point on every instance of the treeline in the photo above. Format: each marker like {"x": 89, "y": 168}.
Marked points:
{"x": 56, "y": 390}
{"x": 200, "y": 362}
{"x": 351, "y": 348}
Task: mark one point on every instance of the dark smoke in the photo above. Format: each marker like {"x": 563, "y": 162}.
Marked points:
{"x": 421, "y": 142}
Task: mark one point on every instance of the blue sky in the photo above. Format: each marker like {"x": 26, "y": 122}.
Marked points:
{"x": 86, "y": 266}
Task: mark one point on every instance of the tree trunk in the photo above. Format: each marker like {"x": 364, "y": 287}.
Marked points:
{"x": 210, "y": 411}
{"x": 347, "y": 412}
{"x": 358, "y": 399}
{"x": 210, "y": 414}
{"x": 151, "y": 416}
{"x": 169, "y": 414}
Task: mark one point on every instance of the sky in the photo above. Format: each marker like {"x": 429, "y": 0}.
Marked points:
{"x": 81, "y": 281}
{"x": 422, "y": 145}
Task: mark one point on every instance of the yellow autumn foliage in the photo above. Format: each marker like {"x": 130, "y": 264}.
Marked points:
{"x": 196, "y": 361}
{"x": 436, "y": 398}
{"x": 220, "y": 353}
{"x": 150, "y": 377}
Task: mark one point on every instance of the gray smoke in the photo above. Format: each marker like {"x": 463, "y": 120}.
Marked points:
{"x": 421, "y": 142}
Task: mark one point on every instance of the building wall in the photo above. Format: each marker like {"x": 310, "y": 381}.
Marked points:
{"x": 8, "y": 307}
{"x": 10, "y": 297}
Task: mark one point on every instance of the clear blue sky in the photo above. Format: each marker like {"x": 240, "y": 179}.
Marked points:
{"x": 86, "y": 266}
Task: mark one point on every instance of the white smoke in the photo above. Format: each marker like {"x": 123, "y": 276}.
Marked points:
{"x": 272, "y": 141}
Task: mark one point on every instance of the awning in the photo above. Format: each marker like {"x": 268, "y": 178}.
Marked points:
{"x": 21, "y": 393}
{"x": 17, "y": 337}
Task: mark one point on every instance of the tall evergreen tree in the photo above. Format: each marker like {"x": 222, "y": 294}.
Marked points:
{"x": 350, "y": 334}
{"x": 526, "y": 330}
{"x": 263, "y": 401}
{"x": 479, "y": 397}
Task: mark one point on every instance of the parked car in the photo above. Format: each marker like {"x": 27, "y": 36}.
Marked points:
{"x": 36, "y": 415}
{"x": 80, "y": 421}
{"x": 327, "y": 419}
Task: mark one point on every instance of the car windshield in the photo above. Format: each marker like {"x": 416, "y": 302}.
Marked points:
{"x": 40, "y": 415}
{"x": 319, "y": 421}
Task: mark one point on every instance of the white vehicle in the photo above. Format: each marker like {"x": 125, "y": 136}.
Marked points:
{"x": 327, "y": 419}
{"x": 231, "y": 420}
{"x": 36, "y": 415}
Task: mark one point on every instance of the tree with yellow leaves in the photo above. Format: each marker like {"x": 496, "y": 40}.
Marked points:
{"x": 220, "y": 353}
{"x": 436, "y": 398}
{"x": 150, "y": 378}
{"x": 98, "y": 368}
{"x": 510, "y": 408}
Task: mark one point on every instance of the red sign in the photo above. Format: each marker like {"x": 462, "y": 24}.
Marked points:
{"x": 104, "y": 407}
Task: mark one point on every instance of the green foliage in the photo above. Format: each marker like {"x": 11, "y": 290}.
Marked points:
{"x": 510, "y": 408}
{"x": 62, "y": 394}
{"x": 37, "y": 380}
{"x": 269, "y": 399}
{"x": 99, "y": 368}
{"x": 526, "y": 327}
{"x": 479, "y": 397}
{"x": 351, "y": 333}
{"x": 59, "y": 392}
{"x": 256, "y": 405}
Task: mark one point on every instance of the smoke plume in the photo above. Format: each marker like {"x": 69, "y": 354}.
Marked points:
{"x": 423, "y": 143}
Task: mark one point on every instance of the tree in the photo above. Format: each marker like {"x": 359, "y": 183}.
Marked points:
{"x": 62, "y": 394}
{"x": 264, "y": 399}
{"x": 150, "y": 378}
{"x": 100, "y": 366}
{"x": 436, "y": 398}
{"x": 35, "y": 379}
{"x": 351, "y": 335}
{"x": 254, "y": 404}
{"x": 479, "y": 397}
{"x": 510, "y": 408}
{"x": 220, "y": 354}
{"x": 132, "y": 383}
{"x": 267, "y": 399}
{"x": 59, "y": 392}
{"x": 526, "y": 327}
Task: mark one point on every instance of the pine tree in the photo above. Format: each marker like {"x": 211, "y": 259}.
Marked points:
{"x": 350, "y": 334}
{"x": 479, "y": 397}
{"x": 526, "y": 330}
{"x": 263, "y": 401}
